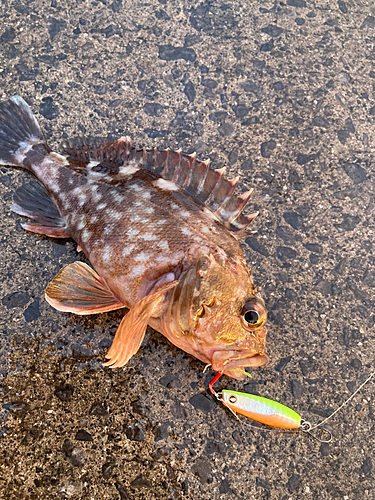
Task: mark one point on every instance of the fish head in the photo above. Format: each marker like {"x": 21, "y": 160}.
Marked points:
{"x": 218, "y": 315}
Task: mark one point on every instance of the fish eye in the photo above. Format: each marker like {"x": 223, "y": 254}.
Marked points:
{"x": 253, "y": 314}
{"x": 251, "y": 317}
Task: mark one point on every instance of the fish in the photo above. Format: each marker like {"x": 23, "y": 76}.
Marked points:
{"x": 161, "y": 231}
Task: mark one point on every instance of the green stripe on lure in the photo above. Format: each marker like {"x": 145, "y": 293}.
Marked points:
{"x": 266, "y": 411}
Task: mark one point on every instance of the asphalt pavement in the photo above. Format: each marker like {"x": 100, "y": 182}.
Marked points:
{"x": 283, "y": 93}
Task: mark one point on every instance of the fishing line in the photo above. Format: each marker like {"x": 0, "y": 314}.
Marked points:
{"x": 345, "y": 402}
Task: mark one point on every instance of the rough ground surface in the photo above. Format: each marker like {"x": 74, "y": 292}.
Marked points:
{"x": 281, "y": 92}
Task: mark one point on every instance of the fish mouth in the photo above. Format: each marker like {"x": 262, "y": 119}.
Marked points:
{"x": 256, "y": 360}
{"x": 232, "y": 361}
{"x": 236, "y": 367}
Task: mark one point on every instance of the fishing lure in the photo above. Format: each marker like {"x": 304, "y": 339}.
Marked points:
{"x": 267, "y": 412}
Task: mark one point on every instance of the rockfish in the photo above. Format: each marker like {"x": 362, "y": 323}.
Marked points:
{"x": 161, "y": 231}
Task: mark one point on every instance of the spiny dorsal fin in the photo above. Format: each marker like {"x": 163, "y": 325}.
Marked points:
{"x": 203, "y": 183}
{"x": 208, "y": 186}
{"x": 98, "y": 149}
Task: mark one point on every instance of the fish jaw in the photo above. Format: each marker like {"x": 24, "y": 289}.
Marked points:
{"x": 229, "y": 361}
{"x": 245, "y": 353}
{"x": 231, "y": 369}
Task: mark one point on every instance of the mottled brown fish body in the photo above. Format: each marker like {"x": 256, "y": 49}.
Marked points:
{"x": 161, "y": 231}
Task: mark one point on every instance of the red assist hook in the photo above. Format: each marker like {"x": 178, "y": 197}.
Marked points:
{"x": 213, "y": 381}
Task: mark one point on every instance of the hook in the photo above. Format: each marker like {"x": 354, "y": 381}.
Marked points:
{"x": 215, "y": 379}
{"x": 322, "y": 435}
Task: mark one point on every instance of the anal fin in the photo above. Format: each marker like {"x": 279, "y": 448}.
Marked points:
{"x": 80, "y": 290}
{"x": 133, "y": 326}
{"x": 33, "y": 201}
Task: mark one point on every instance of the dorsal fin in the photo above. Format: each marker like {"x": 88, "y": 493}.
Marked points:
{"x": 98, "y": 149}
{"x": 206, "y": 185}
{"x": 203, "y": 183}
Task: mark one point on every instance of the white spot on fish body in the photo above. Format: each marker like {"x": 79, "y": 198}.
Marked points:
{"x": 147, "y": 236}
{"x": 117, "y": 196}
{"x": 166, "y": 185}
{"x": 85, "y": 236}
{"x": 148, "y": 210}
{"x": 165, "y": 259}
{"x": 142, "y": 257}
{"x": 137, "y": 271}
{"x": 162, "y": 259}
{"x": 82, "y": 197}
{"x": 146, "y": 195}
{"x": 174, "y": 206}
{"x": 186, "y": 231}
{"x": 161, "y": 221}
{"x": 109, "y": 229}
{"x": 129, "y": 170}
{"x": 136, "y": 188}
{"x": 94, "y": 193}
{"x": 138, "y": 218}
{"x": 37, "y": 169}
{"x": 185, "y": 214}
{"x": 163, "y": 245}
{"x": 115, "y": 215}
{"x": 132, "y": 232}
{"x": 101, "y": 206}
{"x": 135, "y": 218}
{"x": 81, "y": 223}
{"x": 107, "y": 254}
{"x": 96, "y": 196}
{"x": 76, "y": 191}
{"x": 128, "y": 250}
{"x": 66, "y": 203}
{"x": 53, "y": 185}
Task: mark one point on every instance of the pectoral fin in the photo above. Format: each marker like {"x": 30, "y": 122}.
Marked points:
{"x": 79, "y": 289}
{"x": 132, "y": 328}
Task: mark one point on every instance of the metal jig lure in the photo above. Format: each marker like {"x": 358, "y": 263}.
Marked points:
{"x": 267, "y": 412}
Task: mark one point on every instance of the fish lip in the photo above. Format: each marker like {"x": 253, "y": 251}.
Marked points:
{"x": 257, "y": 360}
{"x": 233, "y": 362}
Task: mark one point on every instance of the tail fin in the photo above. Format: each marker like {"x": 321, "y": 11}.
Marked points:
{"x": 19, "y": 132}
